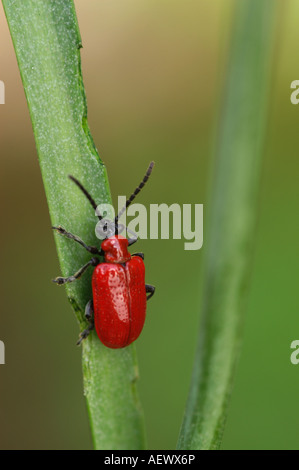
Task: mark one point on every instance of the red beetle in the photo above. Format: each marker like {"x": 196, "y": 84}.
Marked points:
{"x": 118, "y": 308}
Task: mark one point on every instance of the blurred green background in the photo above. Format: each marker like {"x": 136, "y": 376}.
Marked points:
{"x": 153, "y": 73}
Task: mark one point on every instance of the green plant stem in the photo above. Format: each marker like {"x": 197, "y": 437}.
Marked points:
{"x": 47, "y": 44}
{"x": 232, "y": 214}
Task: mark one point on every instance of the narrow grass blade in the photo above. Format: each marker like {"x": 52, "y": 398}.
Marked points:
{"x": 47, "y": 44}
{"x": 232, "y": 213}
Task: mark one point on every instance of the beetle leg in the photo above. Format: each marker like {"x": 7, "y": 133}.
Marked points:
{"x": 78, "y": 274}
{"x": 89, "y": 317}
{"x": 150, "y": 290}
{"x": 89, "y": 311}
{"x": 141, "y": 255}
{"x": 92, "y": 249}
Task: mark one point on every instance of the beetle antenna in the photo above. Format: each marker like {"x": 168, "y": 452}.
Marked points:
{"x": 86, "y": 193}
{"x": 137, "y": 191}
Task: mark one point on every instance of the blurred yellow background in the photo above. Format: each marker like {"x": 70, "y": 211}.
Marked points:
{"x": 153, "y": 72}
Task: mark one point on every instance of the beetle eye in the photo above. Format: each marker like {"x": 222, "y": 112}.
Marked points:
{"x": 105, "y": 229}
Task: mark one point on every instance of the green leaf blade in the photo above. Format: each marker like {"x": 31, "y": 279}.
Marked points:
{"x": 47, "y": 44}
{"x": 233, "y": 215}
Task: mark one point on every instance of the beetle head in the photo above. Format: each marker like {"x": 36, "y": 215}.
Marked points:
{"x": 115, "y": 249}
